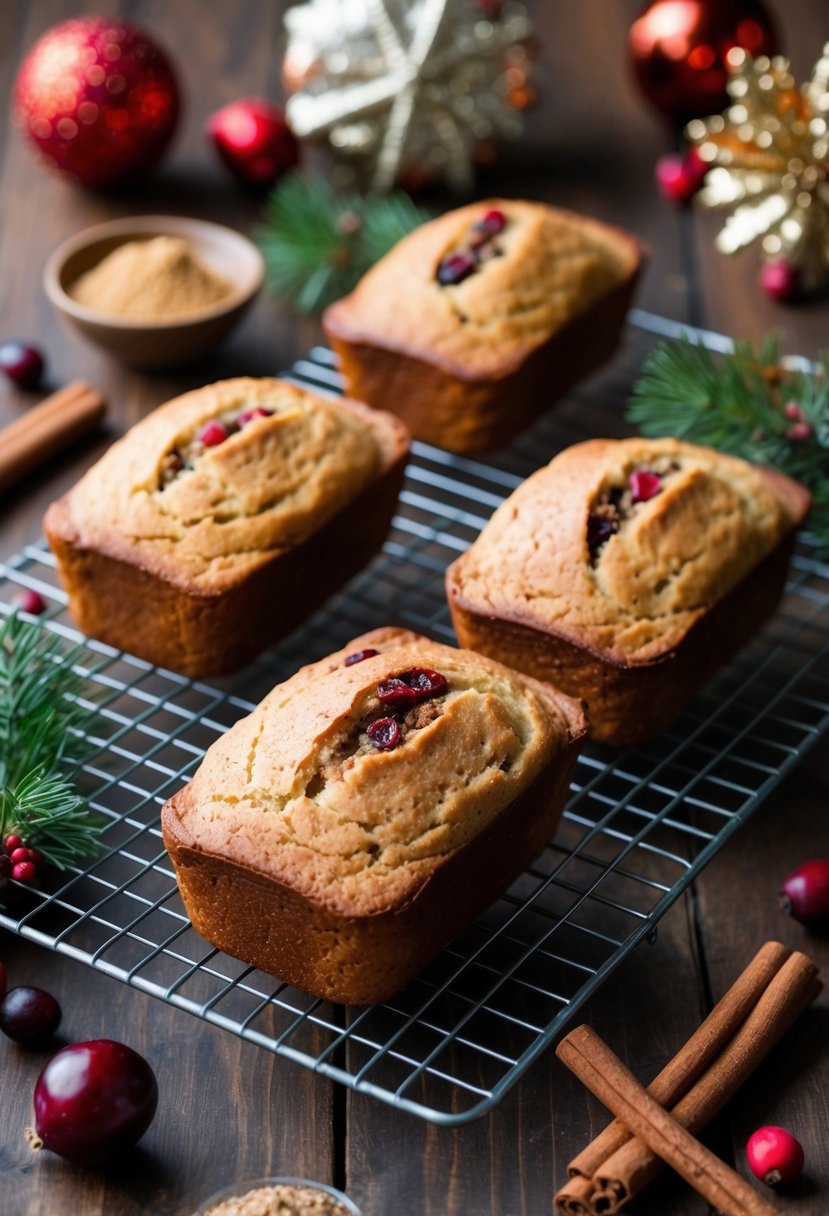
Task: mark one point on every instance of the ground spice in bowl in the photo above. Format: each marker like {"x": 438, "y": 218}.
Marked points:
{"x": 156, "y": 280}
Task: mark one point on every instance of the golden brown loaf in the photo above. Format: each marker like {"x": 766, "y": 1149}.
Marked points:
{"x": 341, "y": 855}
{"x": 473, "y": 324}
{"x": 216, "y": 499}
{"x": 620, "y": 572}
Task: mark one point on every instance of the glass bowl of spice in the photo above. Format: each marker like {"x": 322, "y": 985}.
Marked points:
{"x": 155, "y": 291}
{"x": 278, "y": 1197}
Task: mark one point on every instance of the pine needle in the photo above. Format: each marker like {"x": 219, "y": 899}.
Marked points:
{"x": 318, "y": 242}
{"x": 746, "y": 404}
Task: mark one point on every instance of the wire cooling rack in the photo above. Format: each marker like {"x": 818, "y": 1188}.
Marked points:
{"x": 639, "y": 826}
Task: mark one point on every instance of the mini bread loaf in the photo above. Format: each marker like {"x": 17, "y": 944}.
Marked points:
{"x": 478, "y": 321}
{"x": 223, "y": 519}
{"x": 368, "y": 809}
{"x": 627, "y": 572}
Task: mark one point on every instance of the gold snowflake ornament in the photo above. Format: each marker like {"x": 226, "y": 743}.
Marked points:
{"x": 400, "y": 88}
{"x": 768, "y": 153}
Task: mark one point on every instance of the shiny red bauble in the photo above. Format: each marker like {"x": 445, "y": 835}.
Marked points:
{"x": 254, "y": 140}
{"x": 678, "y": 49}
{"x": 93, "y": 1100}
{"x": 99, "y": 100}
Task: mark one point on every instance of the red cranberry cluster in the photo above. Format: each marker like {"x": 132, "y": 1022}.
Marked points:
{"x": 479, "y": 247}
{"x": 18, "y": 861}
{"x": 607, "y": 515}
{"x": 401, "y": 693}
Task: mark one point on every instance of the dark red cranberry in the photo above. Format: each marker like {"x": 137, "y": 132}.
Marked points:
{"x": 22, "y": 363}
{"x": 24, "y": 871}
{"x": 21, "y": 854}
{"x": 416, "y": 684}
{"x": 359, "y": 655}
{"x": 455, "y": 268}
{"x": 94, "y": 1100}
{"x": 31, "y": 601}
{"x": 36, "y": 856}
{"x": 599, "y": 532}
{"x": 29, "y": 1015}
{"x": 213, "y": 433}
{"x": 12, "y": 842}
{"x": 494, "y": 221}
{"x": 644, "y": 485}
{"x": 384, "y": 734}
{"x": 805, "y": 893}
{"x": 248, "y": 415}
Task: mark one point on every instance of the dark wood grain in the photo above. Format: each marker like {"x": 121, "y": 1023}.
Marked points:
{"x": 230, "y": 1109}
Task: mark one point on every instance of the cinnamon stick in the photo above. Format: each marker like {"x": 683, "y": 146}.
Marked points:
{"x": 49, "y": 427}
{"x": 704, "y": 1045}
{"x": 608, "y": 1078}
{"x": 787, "y": 996}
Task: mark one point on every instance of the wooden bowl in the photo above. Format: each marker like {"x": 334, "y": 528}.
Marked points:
{"x": 163, "y": 343}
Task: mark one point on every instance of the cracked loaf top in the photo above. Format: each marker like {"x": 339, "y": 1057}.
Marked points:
{"x": 621, "y": 545}
{"x": 478, "y": 289}
{"x": 216, "y": 481}
{"x": 308, "y": 791}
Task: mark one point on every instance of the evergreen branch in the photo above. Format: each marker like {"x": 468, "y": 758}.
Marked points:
{"x": 746, "y": 403}
{"x": 318, "y": 242}
{"x": 44, "y": 728}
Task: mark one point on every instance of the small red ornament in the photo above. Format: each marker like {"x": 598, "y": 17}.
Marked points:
{"x": 680, "y": 177}
{"x": 99, "y": 100}
{"x": 254, "y": 140}
{"x": 780, "y": 280}
{"x": 678, "y": 49}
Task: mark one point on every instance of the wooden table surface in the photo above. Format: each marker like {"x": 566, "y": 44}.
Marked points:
{"x": 229, "y": 1109}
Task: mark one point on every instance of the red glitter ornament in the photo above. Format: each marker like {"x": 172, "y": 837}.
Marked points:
{"x": 99, "y": 100}
{"x": 678, "y": 50}
{"x": 254, "y": 140}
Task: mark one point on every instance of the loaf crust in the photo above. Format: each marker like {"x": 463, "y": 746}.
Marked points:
{"x": 468, "y": 366}
{"x": 639, "y": 627}
{"x": 343, "y": 869}
{"x": 201, "y": 571}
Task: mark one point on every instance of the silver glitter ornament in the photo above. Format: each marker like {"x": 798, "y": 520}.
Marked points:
{"x": 397, "y": 88}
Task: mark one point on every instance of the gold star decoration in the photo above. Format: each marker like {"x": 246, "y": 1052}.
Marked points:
{"x": 768, "y": 155}
{"x": 399, "y": 89}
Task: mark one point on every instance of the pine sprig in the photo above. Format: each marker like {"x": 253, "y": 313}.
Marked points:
{"x": 746, "y": 403}
{"x": 44, "y": 722}
{"x": 318, "y": 242}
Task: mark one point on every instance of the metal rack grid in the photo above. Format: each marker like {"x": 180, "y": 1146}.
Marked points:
{"x": 639, "y": 826}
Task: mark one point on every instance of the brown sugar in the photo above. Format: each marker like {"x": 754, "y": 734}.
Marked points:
{"x": 150, "y": 280}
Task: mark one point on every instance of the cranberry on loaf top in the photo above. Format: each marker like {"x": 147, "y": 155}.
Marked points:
{"x": 220, "y": 479}
{"x": 479, "y": 288}
{"x": 620, "y": 546}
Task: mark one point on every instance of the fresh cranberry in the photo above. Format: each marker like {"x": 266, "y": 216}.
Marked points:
{"x": 644, "y": 485}
{"x": 417, "y": 684}
{"x": 455, "y": 268}
{"x": 799, "y": 430}
{"x": 384, "y": 734}
{"x": 494, "y": 221}
{"x": 775, "y": 1156}
{"x": 29, "y": 1015}
{"x": 212, "y": 434}
{"x": 21, "y": 854}
{"x": 248, "y": 415}
{"x": 31, "y": 601}
{"x": 36, "y": 856}
{"x": 22, "y": 363}
{"x": 359, "y": 655}
{"x": 93, "y": 1100}
{"x": 805, "y": 893}
{"x": 24, "y": 871}
{"x": 11, "y": 843}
